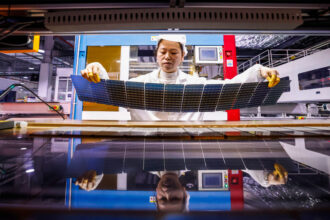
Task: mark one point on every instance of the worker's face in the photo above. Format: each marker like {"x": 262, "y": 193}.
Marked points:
{"x": 169, "y": 56}
{"x": 170, "y": 193}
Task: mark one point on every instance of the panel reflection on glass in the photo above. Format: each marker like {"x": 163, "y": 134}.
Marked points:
{"x": 166, "y": 175}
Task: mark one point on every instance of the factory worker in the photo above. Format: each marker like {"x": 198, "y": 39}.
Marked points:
{"x": 170, "y": 53}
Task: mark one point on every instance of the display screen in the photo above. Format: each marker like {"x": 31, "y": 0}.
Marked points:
{"x": 212, "y": 180}
{"x": 208, "y": 54}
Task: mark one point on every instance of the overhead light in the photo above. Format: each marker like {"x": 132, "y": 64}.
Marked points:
{"x": 25, "y": 77}
{"x": 41, "y": 51}
{"x": 29, "y": 171}
{"x": 31, "y": 68}
{"x": 23, "y": 148}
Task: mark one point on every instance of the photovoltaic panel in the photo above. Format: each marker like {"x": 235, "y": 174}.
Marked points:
{"x": 210, "y": 97}
{"x": 244, "y": 95}
{"x": 83, "y": 88}
{"x": 192, "y": 97}
{"x": 135, "y": 95}
{"x": 173, "y": 97}
{"x": 100, "y": 92}
{"x": 275, "y": 92}
{"x": 259, "y": 94}
{"x": 228, "y": 96}
{"x": 178, "y": 97}
{"x": 117, "y": 92}
{"x": 154, "y": 95}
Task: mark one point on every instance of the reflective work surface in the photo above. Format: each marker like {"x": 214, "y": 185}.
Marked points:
{"x": 148, "y": 175}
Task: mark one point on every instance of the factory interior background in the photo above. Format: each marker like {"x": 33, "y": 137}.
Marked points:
{"x": 270, "y": 161}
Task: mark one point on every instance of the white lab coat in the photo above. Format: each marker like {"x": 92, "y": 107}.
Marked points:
{"x": 250, "y": 75}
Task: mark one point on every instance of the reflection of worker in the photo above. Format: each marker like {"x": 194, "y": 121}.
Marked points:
{"x": 170, "y": 53}
{"x": 170, "y": 194}
{"x": 265, "y": 178}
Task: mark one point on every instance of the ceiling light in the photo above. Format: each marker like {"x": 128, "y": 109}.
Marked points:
{"x": 23, "y": 148}
{"x": 41, "y": 51}
{"x": 31, "y": 68}
{"x": 29, "y": 171}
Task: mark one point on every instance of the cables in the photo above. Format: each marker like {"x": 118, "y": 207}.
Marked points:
{"x": 21, "y": 85}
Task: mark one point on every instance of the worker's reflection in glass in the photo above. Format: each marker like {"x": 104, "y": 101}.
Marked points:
{"x": 171, "y": 196}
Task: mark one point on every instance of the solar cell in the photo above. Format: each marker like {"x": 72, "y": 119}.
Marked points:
{"x": 259, "y": 95}
{"x": 135, "y": 95}
{"x": 228, "y": 96}
{"x": 192, "y": 98}
{"x": 210, "y": 97}
{"x": 244, "y": 95}
{"x": 173, "y": 97}
{"x": 83, "y": 88}
{"x": 100, "y": 92}
{"x": 154, "y": 95}
{"x": 275, "y": 92}
{"x": 117, "y": 92}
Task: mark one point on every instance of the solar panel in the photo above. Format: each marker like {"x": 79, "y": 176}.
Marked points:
{"x": 178, "y": 97}
{"x": 117, "y": 92}
{"x": 119, "y": 156}
{"x": 173, "y": 97}
{"x": 228, "y": 96}
{"x": 154, "y": 95}
{"x": 192, "y": 97}
{"x": 259, "y": 95}
{"x": 210, "y": 97}
{"x": 275, "y": 92}
{"x": 135, "y": 95}
{"x": 244, "y": 95}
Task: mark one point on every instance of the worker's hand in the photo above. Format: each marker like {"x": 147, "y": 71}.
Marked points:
{"x": 87, "y": 180}
{"x": 92, "y": 72}
{"x": 278, "y": 176}
{"x": 271, "y": 75}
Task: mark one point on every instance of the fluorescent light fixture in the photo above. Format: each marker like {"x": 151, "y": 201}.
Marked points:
{"x": 31, "y": 68}
{"x": 25, "y": 77}
{"x": 29, "y": 171}
{"x": 41, "y": 51}
{"x": 23, "y": 148}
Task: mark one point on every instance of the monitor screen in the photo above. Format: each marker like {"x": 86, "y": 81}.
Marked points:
{"x": 212, "y": 180}
{"x": 208, "y": 54}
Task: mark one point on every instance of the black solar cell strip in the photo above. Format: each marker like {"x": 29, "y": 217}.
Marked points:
{"x": 194, "y": 158}
{"x": 134, "y": 156}
{"x": 192, "y": 97}
{"x": 268, "y": 163}
{"x": 173, "y": 97}
{"x": 173, "y": 156}
{"x": 212, "y": 155}
{"x": 210, "y": 97}
{"x": 253, "y": 164}
{"x": 234, "y": 163}
{"x": 83, "y": 88}
{"x": 117, "y": 92}
{"x": 154, "y": 93}
{"x": 228, "y": 96}
{"x": 259, "y": 95}
{"x": 154, "y": 156}
{"x": 244, "y": 95}
{"x": 135, "y": 95}
{"x": 100, "y": 92}
{"x": 275, "y": 92}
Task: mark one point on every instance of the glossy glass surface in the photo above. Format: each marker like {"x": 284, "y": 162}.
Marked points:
{"x": 226, "y": 169}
